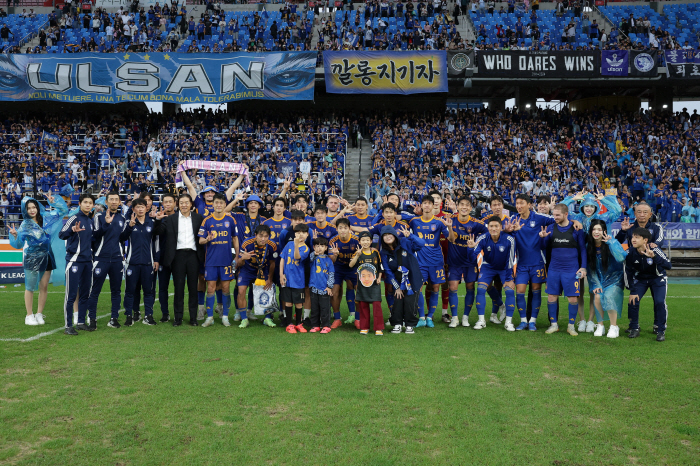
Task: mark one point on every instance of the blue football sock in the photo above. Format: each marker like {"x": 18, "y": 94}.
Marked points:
{"x": 573, "y": 312}
{"x": 496, "y": 298}
{"x": 468, "y": 302}
{"x": 220, "y": 296}
{"x": 336, "y": 315}
{"x": 522, "y": 306}
{"x": 510, "y": 302}
{"x": 552, "y": 311}
{"x": 244, "y": 313}
{"x": 432, "y": 303}
{"x": 421, "y": 305}
{"x": 536, "y": 303}
{"x": 454, "y": 303}
{"x": 226, "y": 303}
{"x": 350, "y": 299}
{"x": 210, "y": 305}
{"x": 481, "y": 301}
{"x": 200, "y": 297}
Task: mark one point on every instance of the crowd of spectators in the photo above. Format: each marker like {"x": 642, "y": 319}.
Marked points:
{"x": 642, "y": 155}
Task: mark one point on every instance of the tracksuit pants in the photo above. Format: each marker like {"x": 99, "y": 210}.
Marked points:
{"x": 658, "y": 287}
{"x": 78, "y": 281}
{"x": 320, "y": 310}
{"x": 100, "y": 271}
{"x": 139, "y": 277}
{"x": 405, "y": 311}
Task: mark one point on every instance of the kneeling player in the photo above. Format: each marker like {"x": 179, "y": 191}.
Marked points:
{"x": 255, "y": 265}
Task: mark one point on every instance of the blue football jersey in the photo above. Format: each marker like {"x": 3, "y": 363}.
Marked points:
{"x": 430, "y": 231}
{"x": 219, "y": 250}
{"x": 457, "y": 252}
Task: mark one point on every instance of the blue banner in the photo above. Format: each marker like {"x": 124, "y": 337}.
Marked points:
{"x": 681, "y": 235}
{"x": 182, "y": 78}
{"x": 287, "y": 169}
{"x": 49, "y": 138}
{"x": 615, "y": 63}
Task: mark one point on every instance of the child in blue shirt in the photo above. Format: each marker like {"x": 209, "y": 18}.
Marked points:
{"x": 293, "y": 278}
{"x": 321, "y": 285}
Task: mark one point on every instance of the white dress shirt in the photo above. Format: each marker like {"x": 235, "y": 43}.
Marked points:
{"x": 185, "y": 234}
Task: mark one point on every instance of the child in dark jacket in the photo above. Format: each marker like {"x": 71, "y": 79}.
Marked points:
{"x": 403, "y": 272}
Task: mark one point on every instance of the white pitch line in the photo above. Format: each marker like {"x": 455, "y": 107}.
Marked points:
{"x": 51, "y": 332}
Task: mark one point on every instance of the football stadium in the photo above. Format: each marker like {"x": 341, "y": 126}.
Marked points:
{"x": 488, "y": 209}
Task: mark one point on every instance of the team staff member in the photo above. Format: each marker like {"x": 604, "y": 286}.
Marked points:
{"x": 168, "y": 203}
{"x": 78, "y": 232}
{"x": 108, "y": 257}
{"x": 183, "y": 254}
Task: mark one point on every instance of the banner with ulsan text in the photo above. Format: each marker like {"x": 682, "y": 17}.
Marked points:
{"x": 538, "y": 63}
{"x": 411, "y": 72}
{"x": 158, "y": 77}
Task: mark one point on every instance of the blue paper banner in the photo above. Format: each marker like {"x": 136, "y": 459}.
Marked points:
{"x": 681, "y": 235}
{"x": 615, "y": 63}
{"x": 181, "y": 78}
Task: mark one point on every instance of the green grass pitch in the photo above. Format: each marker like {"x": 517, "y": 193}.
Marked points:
{"x": 162, "y": 395}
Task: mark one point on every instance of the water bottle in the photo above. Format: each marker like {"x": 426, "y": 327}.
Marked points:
{"x": 578, "y": 275}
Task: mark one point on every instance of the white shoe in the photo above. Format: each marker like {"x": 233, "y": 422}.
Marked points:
{"x": 219, "y": 309}
{"x": 209, "y": 321}
{"x": 480, "y": 324}
{"x": 510, "y": 327}
{"x": 388, "y": 324}
{"x": 571, "y": 330}
{"x": 582, "y": 326}
{"x": 30, "y": 320}
{"x": 465, "y": 321}
{"x": 494, "y": 319}
{"x": 39, "y": 318}
{"x": 599, "y": 330}
{"x": 614, "y": 331}
{"x": 237, "y": 317}
{"x": 201, "y": 312}
{"x": 75, "y": 318}
{"x": 590, "y": 326}
{"x": 224, "y": 320}
{"x": 454, "y": 322}
{"x": 446, "y": 318}
{"x": 552, "y": 328}
{"x": 502, "y": 312}
{"x": 396, "y": 329}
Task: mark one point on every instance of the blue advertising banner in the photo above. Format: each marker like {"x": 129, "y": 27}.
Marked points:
{"x": 681, "y": 235}
{"x": 158, "y": 77}
{"x": 615, "y": 63}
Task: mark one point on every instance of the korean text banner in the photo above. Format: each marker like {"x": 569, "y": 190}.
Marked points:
{"x": 538, "y": 63}
{"x": 385, "y": 72}
{"x": 158, "y": 77}
{"x": 680, "y": 235}
{"x": 683, "y": 63}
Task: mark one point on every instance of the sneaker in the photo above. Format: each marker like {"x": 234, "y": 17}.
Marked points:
{"x": 494, "y": 319}
{"x": 599, "y": 330}
{"x": 421, "y": 322}
{"x": 208, "y": 322}
{"x": 357, "y": 324}
{"x": 70, "y": 331}
{"x": 300, "y": 328}
{"x": 336, "y": 323}
{"x": 114, "y": 323}
{"x": 225, "y": 321}
{"x": 532, "y": 327}
{"x": 326, "y": 330}
{"x": 654, "y": 329}
{"x": 571, "y": 330}
{"x": 510, "y": 327}
{"x": 137, "y": 316}
{"x": 582, "y": 326}
{"x": 447, "y": 318}
{"x": 553, "y": 328}
{"x": 237, "y": 317}
{"x": 613, "y": 331}
{"x": 396, "y": 329}
{"x": 364, "y": 332}
{"x": 590, "y": 326}
{"x": 387, "y": 323}
{"x": 522, "y": 326}
{"x": 454, "y": 322}
{"x": 268, "y": 321}
{"x": 429, "y": 322}
{"x": 82, "y": 327}
{"x": 465, "y": 321}
{"x": 244, "y": 323}
{"x": 660, "y": 336}
{"x": 219, "y": 309}
{"x": 350, "y": 319}
{"x": 92, "y": 326}
{"x": 39, "y": 318}
{"x": 75, "y": 318}
{"x": 501, "y": 312}
{"x": 148, "y": 320}
{"x": 201, "y": 312}
{"x": 129, "y": 321}
{"x": 410, "y": 330}
{"x": 290, "y": 329}
{"x": 251, "y": 316}
{"x": 480, "y": 324}
{"x": 379, "y": 333}
{"x": 30, "y": 320}
{"x": 315, "y": 329}
{"x": 633, "y": 333}
{"x": 165, "y": 318}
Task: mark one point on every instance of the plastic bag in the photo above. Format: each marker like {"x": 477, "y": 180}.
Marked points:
{"x": 264, "y": 301}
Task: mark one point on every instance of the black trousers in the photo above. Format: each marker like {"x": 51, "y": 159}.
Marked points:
{"x": 185, "y": 267}
{"x": 164, "y": 274}
{"x": 320, "y": 310}
{"x": 405, "y": 311}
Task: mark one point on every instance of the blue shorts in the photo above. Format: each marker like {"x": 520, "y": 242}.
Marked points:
{"x": 341, "y": 275}
{"x": 562, "y": 281}
{"x": 218, "y": 272}
{"x": 487, "y": 275}
{"x": 433, "y": 274}
{"x": 467, "y": 272}
{"x": 530, "y": 273}
{"x": 247, "y": 278}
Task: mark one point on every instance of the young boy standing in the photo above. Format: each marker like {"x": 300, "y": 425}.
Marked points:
{"x": 321, "y": 284}
{"x": 368, "y": 265}
{"x": 293, "y": 278}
